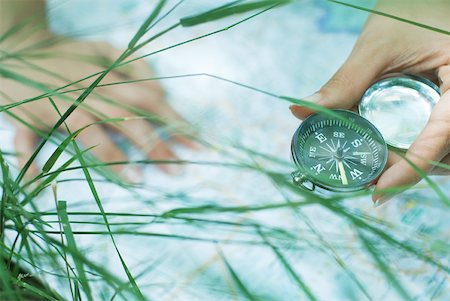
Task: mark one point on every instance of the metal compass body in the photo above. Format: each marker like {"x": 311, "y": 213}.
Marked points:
{"x": 340, "y": 151}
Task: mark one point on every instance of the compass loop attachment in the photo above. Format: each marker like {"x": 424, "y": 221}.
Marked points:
{"x": 302, "y": 181}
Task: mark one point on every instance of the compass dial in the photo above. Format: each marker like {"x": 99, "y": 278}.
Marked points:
{"x": 342, "y": 152}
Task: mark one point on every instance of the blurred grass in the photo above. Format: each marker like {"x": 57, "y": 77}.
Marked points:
{"x": 41, "y": 243}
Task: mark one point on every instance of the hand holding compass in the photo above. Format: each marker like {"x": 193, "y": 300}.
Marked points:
{"x": 386, "y": 46}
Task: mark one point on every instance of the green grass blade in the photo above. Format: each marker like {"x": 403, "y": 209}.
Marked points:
{"x": 34, "y": 292}
{"x": 302, "y": 285}
{"x": 386, "y": 237}
{"x": 143, "y": 29}
{"x": 5, "y": 280}
{"x": 71, "y": 244}
{"x": 384, "y": 268}
{"x": 88, "y": 177}
{"x": 444, "y": 198}
{"x": 238, "y": 282}
{"x": 57, "y": 153}
{"x": 435, "y": 29}
{"x": 227, "y": 10}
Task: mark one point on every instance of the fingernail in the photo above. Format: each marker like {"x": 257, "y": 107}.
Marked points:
{"x": 293, "y": 108}
{"x": 312, "y": 98}
{"x": 381, "y": 201}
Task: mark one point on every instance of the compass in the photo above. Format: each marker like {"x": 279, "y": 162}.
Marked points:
{"x": 337, "y": 151}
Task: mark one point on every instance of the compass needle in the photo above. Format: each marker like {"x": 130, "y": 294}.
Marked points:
{"x": 342, "y": 173}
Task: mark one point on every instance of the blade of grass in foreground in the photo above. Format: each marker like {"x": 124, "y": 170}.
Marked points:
{"x": 88, "y": 177}
{"x": 302, "y": 285}
{"x": 5, "y": 280}
{"x": 45, "y": 183}
{"x": 59, "y": 150}
{"x": 280, "y": 182}
{"x": 435, "y": 29}
{"x": 234, "y": 276}
{"x": 229, "y": 9}
{"x": 64, "y": 253}
{"x": 107, "y": 276}
{"x": 386, "y": 237}
{"x": 34, "y": 291}
{"x": 62, "y": 214}
{"x": 71, "y": 138}
{"x": 94, "y": 192}
{"x": 6, "y": 192}
{"x": 143, "y": 29}
{"x": 445, "y": 199}
{"x": 384, "y": 268}
{"x": 239, "y": 209}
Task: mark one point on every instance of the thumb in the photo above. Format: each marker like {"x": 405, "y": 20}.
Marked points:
{"x": 347, "y": 85}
